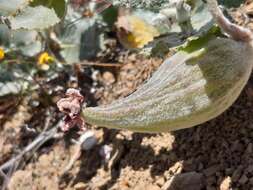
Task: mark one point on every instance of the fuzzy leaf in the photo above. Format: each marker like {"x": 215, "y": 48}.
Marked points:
{"x": 8, "y": 83}
{"x": 32, "y": 49}
{"x": 58, "y": 5}
{"x": 33, "y": 18}
{"x": 8, "y": 7}
{"x": 9, "y": 88}
{"x": 201, "y": 21}
{"x": 26, "y": 41}
{"x": 84, "y": 42}
{"x": 154, "y": 5}
{"x": 80, "y": 40}
{"x": 23, "y": 37}
{"x": 197, "y": 42}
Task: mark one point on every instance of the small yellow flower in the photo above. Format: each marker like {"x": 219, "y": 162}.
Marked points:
{"x": 134, "y": 32}
{"x": 2, "y": 54}
{"x": 43, "y": 61}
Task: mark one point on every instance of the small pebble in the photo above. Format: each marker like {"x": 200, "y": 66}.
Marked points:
{"x": 88, "y": 140}
{"x": 80, "y": 186}
{"x": 226, "y": 183}
{"x": 189, "y": 181}
{"x": 105, "y": 152}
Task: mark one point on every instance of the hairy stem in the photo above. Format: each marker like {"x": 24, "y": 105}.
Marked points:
{"x": 236, "y": 32}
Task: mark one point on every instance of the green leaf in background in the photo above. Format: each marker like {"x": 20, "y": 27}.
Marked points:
{"x": 82, "y": 39}
{"x": 201, "y": 19}
{"x": 33, "y": 18}
{"x": 172, "y": 36}
{"x": 110, "y": 15}
{"x": 231, "y": 3}
{"x": 197, "y": 42}
{"x": 59, "y": 6}
{"x": 9, "y": 7}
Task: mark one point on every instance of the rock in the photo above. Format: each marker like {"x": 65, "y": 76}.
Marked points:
{"x": 189, "y": 181}
{"x": 88, "y": 140}
{"x": 226, "y": 183}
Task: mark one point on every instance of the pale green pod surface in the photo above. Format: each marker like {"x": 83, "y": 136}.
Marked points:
{"x": 186, "y": 90}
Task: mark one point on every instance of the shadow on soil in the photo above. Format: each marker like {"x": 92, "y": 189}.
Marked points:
{"x": 216, "y": 149}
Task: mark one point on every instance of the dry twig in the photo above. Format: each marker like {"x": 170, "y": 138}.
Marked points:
{"x": 30, "y": 149}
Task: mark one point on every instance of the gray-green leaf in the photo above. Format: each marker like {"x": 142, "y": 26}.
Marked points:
{"x": 33, "y": 18}
{"x": 8, "y": 88}
{"x": 58, "y": 5}
{"x": 8, "y": 7}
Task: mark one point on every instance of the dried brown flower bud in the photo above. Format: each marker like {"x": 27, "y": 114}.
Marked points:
{"x": 71, "y": 106}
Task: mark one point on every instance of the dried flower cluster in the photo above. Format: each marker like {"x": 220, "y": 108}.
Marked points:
{"x": 71, "y": 106}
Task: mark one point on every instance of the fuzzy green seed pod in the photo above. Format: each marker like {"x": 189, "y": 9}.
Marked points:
{"x": 188, "y": 89}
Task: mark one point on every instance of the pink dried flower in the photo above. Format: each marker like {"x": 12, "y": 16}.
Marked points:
{"x": 71, "y": 106}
